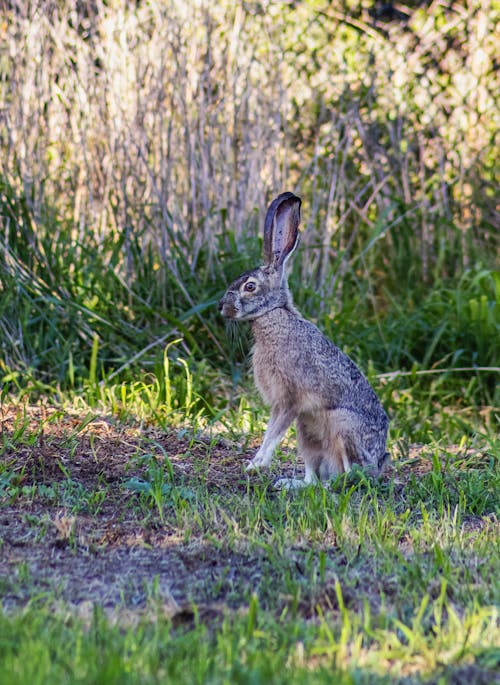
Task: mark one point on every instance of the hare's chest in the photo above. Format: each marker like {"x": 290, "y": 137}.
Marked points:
{"x": 270, "y": 378}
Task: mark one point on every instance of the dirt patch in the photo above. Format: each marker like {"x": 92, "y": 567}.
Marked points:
{"x": 71, "y": 529}
{"x": 54, "y": 466}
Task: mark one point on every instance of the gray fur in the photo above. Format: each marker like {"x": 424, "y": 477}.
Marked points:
{"x": 299, "y": 372}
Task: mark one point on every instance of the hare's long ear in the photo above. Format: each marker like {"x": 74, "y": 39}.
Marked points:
{"x": 281, "y": 229}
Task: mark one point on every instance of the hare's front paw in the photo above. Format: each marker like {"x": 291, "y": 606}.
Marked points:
{"x": 260, "y": 459}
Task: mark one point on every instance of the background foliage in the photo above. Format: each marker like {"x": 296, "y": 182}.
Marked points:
{"x": 141, "y": 142}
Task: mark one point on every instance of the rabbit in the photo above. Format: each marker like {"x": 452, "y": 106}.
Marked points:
{"x": 299, "y": 372}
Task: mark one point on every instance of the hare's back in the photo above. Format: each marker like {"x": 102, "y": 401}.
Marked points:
{"x": 333, "y": 372}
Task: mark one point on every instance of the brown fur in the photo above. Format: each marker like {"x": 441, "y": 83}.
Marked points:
{"x": 299, "y": 372}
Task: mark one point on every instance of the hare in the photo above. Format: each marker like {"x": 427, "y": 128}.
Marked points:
{"x": 299, "y": 372}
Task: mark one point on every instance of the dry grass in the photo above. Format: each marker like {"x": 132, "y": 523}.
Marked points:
{"x": 167, "y": 118}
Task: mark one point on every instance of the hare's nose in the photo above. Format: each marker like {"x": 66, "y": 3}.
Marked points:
{"x": 220, "y": 304}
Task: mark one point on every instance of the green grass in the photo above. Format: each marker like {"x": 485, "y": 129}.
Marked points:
{"x": 253, "y": 648}
{"x": 367, "y": 580}
{"x": 139, "y": 148}
{"x": 363, "y": 582}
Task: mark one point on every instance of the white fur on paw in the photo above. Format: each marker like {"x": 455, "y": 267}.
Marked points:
{"x": 256, "y": 464}
{"x": 259, "y": 461}
{"x": 290, "y": 484}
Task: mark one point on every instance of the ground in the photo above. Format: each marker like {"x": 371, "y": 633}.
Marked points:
{"x": 73, "y": 527}
{"x": 113, "y": 554}
{"x": 140, "y": 520}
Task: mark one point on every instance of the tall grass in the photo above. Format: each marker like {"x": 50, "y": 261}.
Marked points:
{"x": 140, "y": 144}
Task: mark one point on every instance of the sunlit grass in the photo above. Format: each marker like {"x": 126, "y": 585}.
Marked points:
{"x": 139, "y": 150}
{"x": 251, "y": 648}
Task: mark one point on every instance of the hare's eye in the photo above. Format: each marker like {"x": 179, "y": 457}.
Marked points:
{"x": 249, "y": 287}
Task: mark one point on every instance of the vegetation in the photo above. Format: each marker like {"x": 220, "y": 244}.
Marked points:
{"x": 135, "y": 553}
{"x": 140, "y": 144}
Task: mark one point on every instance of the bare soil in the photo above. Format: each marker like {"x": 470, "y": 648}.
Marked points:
{"x": 117, "y": 553}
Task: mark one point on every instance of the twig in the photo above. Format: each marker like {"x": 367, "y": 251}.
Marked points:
{"x": 423, "y": 372}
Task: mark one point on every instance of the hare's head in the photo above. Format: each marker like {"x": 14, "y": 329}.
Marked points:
{"x": 259, "y": 291}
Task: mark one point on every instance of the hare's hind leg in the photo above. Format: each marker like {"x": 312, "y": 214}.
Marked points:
{"x": 326, "y": 440}
{"x": 322, "y": 445}
{"x": 356, "y": 439}
{"x": 331, "y": 441}
{"x": 297, "y": 483}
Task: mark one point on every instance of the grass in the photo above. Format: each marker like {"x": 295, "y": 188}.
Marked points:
{"x": 253, "y": 648}
{"x": 197, "y": 573}
{"x": 139, "y": 147}
{"x": 117, "y": 242}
